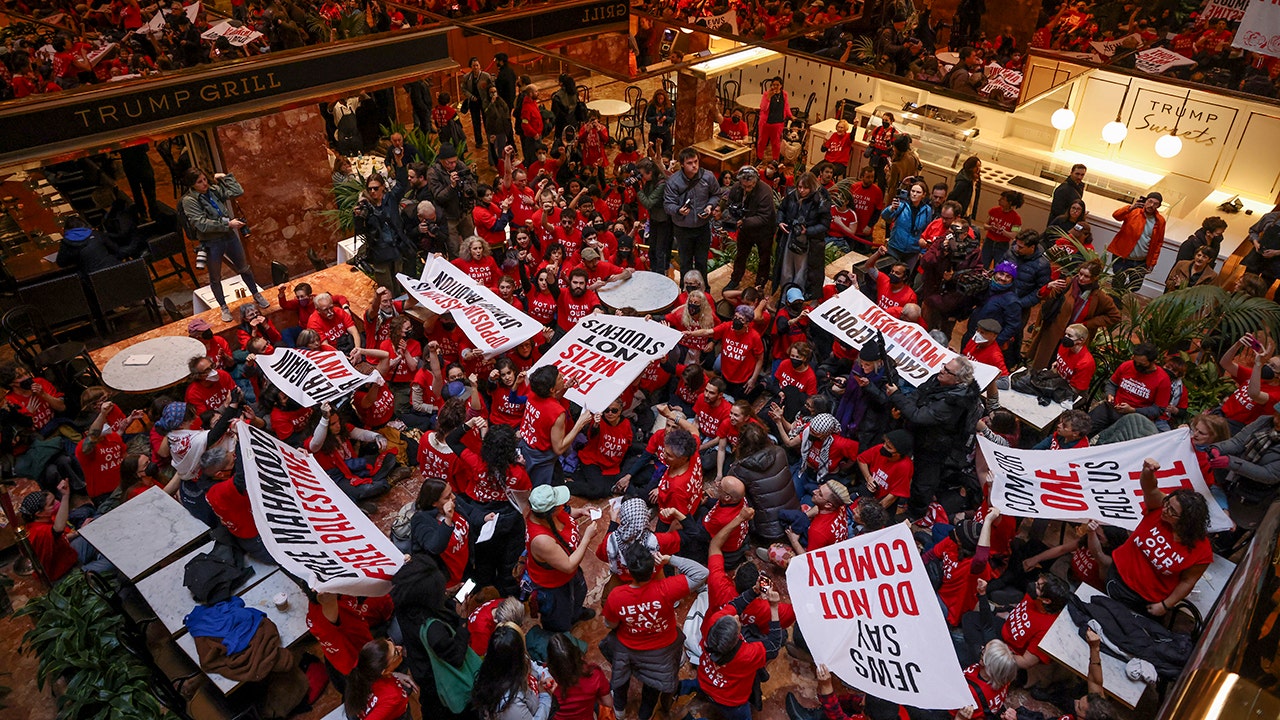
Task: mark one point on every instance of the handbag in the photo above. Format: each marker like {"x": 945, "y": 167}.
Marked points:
{"x": 453, "y": 684}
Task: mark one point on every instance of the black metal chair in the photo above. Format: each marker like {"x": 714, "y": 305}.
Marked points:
{"x": 670, "y": 87}
{"x": 61, "y": 301}
{"x": 172, "y": 247}
{"x": 171, "y": 309}
{"x": 35, "y": 346}
{"x": 124, "y": 285}
{"x": 804, "y": 114}
{"x": 584, "y": 94}
{"x": 279, "y": 273}
{"x": 631, "y": 94}
{"x": 633, "y": 122}
{"x": 317, "y": 262}
{"x": 729, "y": 92}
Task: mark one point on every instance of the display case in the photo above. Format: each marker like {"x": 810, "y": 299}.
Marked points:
{"x": 943, "y": 136}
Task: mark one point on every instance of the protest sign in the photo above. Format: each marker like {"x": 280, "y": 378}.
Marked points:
{"x": 605, "y": 353}
{"x": 869, "y": 614}
{"x": 1157, "y": 60}
{"x": 1259, "y": 29}
{"x": 238, "y": 35}
{"x": 716, "y": 22}
{"x": 308, "y": 525}
{"x": 1107, "y": 48}
{"x": 1229, "y": 10}
{"x": 1002, "y": 82}
{"x": 488, "y": 321}
{"x": 311, "y": 377}
{"x": 1100, "y": 483}
{"x": 854, "y": 320}
{"x": 161, "y": 18}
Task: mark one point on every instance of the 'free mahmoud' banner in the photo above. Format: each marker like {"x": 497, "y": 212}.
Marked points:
{"x": 311, "y": 377}
{"x": 854, "y": 320}
{"x": 308, "y": 525}
{"x": 1100, "y": 483}
{"x": 488, "y": 320}
{"x": 869, "y": 614}
{"x": 605, "y": 353}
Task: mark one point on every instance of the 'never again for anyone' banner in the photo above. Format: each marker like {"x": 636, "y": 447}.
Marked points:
{"x": 311, "y": 377}
{"x": 1102, "y": 483}
{"x": 309, "y": 526}
{"x": 854, "y": 320}
{"x": 605, "y": 353}
{"x": 488, "y": 320}
{"x": 869, "y": 614}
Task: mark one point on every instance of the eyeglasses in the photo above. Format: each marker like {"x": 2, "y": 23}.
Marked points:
{"x": 946, "y": 370}
{"x": 375, "y": 187}
{"x": 612, "y": 411}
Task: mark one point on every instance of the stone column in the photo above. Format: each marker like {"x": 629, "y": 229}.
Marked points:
{"x": 695, "y": 109}
{"x": 282, "y": 163}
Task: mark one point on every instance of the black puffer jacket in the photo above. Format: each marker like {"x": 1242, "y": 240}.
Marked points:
{"x": 767, "y": 477}
{"x": 942, "y": 417}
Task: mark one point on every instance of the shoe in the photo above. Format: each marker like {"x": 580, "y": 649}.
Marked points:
{"x": 733, "y": 285}
{"x": 796, "y": 711}
{"x": 399, "y": 475}
{"x": 262, "y": 301}
{"x": 368, "y": 507}
{"x": 226, "y": 314}
{"x": 585, "y": 615}
{"x": 763, "y": 554}
{"x": 799, "y": 653}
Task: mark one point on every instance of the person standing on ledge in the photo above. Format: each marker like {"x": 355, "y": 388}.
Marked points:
{"x": 1137, "y": 243}
{"x": 1069, "y": 191}
{"x": 206, "y": 211}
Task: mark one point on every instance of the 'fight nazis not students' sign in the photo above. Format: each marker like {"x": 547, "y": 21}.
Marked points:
{"x": 604, "y": 354}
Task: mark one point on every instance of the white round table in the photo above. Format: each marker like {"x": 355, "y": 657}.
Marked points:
{"x": 167, "y": 366}
{"x": 610, "y": 108}
{"x": 645, "y": 293}
{"x": 948, "y": 58}
{"x": 750, "y": 101}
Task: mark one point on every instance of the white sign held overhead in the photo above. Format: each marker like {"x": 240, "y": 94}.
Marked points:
{"x": 311, "y": 377}
{"x": 1259, "y": 29}
{"x": 604, "y": 354}
{"x": 486, "y": 319}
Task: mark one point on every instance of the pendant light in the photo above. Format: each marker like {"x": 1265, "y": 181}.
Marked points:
{"x": 1063, "y": 118}
{"x": 1170, "y": 145}
{"x": 1116, "y": 131}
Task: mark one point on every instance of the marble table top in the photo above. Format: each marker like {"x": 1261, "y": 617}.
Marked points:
{"x": 645, "y": 292}
{"x": 170, "y": 599}
{"x": 166, "y": 368}
{"x": 1028, "y": 408}
{"x": 1063, "y": 642}
{"x": 144, "y": 532}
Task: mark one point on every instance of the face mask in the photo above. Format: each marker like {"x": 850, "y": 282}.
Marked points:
{"x": 152, "y": 470}
{"x": 1268, "y": 372}
{"x": 897, "y": 279}
{"x": 600, "y": 227}
{"x": 739, "y": 324}
{"x": 885, "y": 451}
{"x": 386, "y": 313}
{"x": 56, "y": 504}
{"x": 694, "y": 309}
{"x": 999, "y": 287}
{"x": 211, "y": 376}
{"x": 1068, "y": 342}
{"x": 980, "y": 339}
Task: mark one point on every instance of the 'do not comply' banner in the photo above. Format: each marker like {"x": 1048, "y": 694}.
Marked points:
{"x": 854, "y": 320}
{"x": 868, "y": 613}
{"x": 605, "y": 354}
{"x": 308, "y": 525}
{"x": 1100, "y": 483}
{"x": 488, "y": 321}
{"x": 311, "y": 377}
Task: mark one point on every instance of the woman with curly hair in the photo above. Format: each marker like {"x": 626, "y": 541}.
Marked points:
{"x": 482, "y": 481}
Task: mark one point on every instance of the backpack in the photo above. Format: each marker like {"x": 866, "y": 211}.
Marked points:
{"x": 1045, "y": 385}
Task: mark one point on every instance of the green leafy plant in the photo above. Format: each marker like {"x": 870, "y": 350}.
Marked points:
{"x": 76, "y": 637}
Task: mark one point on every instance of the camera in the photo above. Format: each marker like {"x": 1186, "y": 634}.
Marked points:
{"x": 244, "y": 231}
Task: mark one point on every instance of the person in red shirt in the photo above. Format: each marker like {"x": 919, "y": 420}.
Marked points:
{"x": 1071, "y": 432}
{"x": 887, "y": 468}
{"x": 333, "y": 324}
{"x": 579, "y": 685}
{"x": 740, "y": 413}
{"x": 491, "y": 218}
{"x": 741, "y": 351}
{"x": 1139, "y": 386}
{"x": 341, "y": 633}
{"x": 210, "y": 387}
{"x": 795, "y": 372}
{"x": 609, "y": 440}
{"x": 825, "y": 522}
{"x": 983, "y": 347}
{"x": 1025, "y": 625}
{"x": 485, "y": 619}
{"x": 729, "y": 500}
{"x": 729, "y": 666}
{"x": 555, "y": 552}
{"x": 1156, "y": 568}
{"x": 710, "y": 409}
{"x": 58, "y": 549}
{"x": 844, "y": 226}
{"x": 1003, "y": 224}
{"x": 1074, "y": 362}
{"x": 892, "y": 290}
{"x": 215, "y": 346}
{"x": 375, "y": 691}
{"x": 437, "y": 529}
{"x": 733, "y": 127}
{"x": 867, "y": 200}
{"x": 101, "y": 453}
{"x": 838, "y": 147}
{"x": 647, "y": 631}
{"x": 823, "y": 453}
{"x": 631, "y": 518}
{"x": 32, "y": 396}
{"x": 477, "y": 263}
{"x": 964, "y": 555}
{"x": 601, "y": 272}
{"x": 545, "y": 431}
{"x": 1090, "y": 546}
{"x": 680, "y": 487}
{"x": 989, "y": 681}
{"x": 1257, "y": 389}
{"x": 575, "y": 301}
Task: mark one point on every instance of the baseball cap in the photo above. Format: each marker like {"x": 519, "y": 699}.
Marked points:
{"x": 545, "y": 498}
{"x": 793, "y": 295}
{"x": 590, "y": 254}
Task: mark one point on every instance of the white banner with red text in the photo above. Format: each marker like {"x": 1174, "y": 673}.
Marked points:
{"x": 1100, "y": 483}
{"x": 238, "y": 35}
{"x": 854, "y": 320}
{"x": 1157, "y": 60}
{"x": 869, "y": 614}
{"x": 311, "y": 377}
{"x": 310, "y": 526}
{"x": 161, "y": 19}
{"x": 604, "y": 354}
{"x": 1229, "y": 10}
{"x": 488, "y": 321}
{"x": 1259, "y": 29}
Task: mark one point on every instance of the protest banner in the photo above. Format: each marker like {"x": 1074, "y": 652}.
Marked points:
{"x": 238, "y": 35}
{"x": 869, "y": 614}
{"x": 311, "y": 377}
{"x": 1002, "y": 82}
{"x": 1157, "y": 60}
{"x": 158, "y": 22}
{"x": 1100, "y": 483}
{"x": 488, "y": 321}
{"x": 605, "y": 354}
{"x": 1107, "y": 48}
{"x": 1229, "y": 10}
{"x": 715, "y": 22}
{"x": 1259, "y": 29}
{"x": 308, "y": 525}
{"x": 854, "y": 320}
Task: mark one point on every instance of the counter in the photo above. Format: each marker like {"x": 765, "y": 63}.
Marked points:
{"x": 719, "y": 154}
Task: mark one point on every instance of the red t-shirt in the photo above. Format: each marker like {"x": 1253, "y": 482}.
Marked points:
{"x": 402, "y": 373}
{"x": 730, "y": 684}
{"x": 579, "y": 702}
{"x": 890, "y": 300}
{"x": 1000, "y": 221}
{"x": 607, "y": 445}
{"x": 502, "y": 411}
{"x": 204, "y": 396}
{"x": 850, "y": 218}
{"x": 1076, "y": 368}
{"x": 381, "y": 411}
{"x": 739, "y": 352}
{"x": 569, "y": 310}
{"x": 480, "y": 625}
{"x": 55, "y": 553}
{"x": 842, "y": 448}
{"x": 721, "y": 591}
{"x": 828, "y": 528}
{"x": 721, "y": 515}
{"x": 484, "y": 271}
{"x": 1238, "y": 406}
{"x": 388, "y": 700}
{"x": 787, "y": 376}
{"x": 668, "y": 544}
{"x": 284, "y": 423}
{"x": 892, "y": 477}
{"x": 646, "y": 615}
{"x": 733, "y": 130}
{"x": 839, "y": 146}
{"x": 233, "y": 509}
{"x": 1140, "y": 391}
{"x": 330, "y": 330}
{"x": 1152, "y": 559}
{"x": 684, "y": 491}
{"x": 709, "y": 418}
{"x": 866, "y": 201}
{"x": 542, "y": 575}
{"x": 474, "y": 480}
{"x": 1084, "y": 567}
{"x": 34, "y": 406}
{"x": 341, "y": 641}
{"x": 1026, "y": 625}
{"x": 102, "y": 466}
{"x": 458, "y": 551}
{"x": 539, "y": 416}
{"x": 541, "y": 306}
{"x": 991, "y": 698}
{"x": 988, "y": 353}
{"x": 959, "y": 589}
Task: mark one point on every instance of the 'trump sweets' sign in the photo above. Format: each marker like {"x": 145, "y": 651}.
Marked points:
{"x": 308, "y": 525}
{"x": 1102, "y": 483}
{"x": 854, "y": 320}
{"x": 488, "y": 321}
{"x": 867, "y": 610}
{"x": 311, "y": 377}
{"x": 605, "y": 353}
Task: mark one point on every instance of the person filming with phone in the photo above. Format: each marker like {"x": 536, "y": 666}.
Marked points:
{"x": 1137, "y": 244}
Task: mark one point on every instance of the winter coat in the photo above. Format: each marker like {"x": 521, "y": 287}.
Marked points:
{"x": 85, "y": 250}
{"x": 942, "y": 417}
{"x": 1055, "y": 315}
{"x": 906, "y": 223}
{"x": 203, "y": 217}
{"x": 699, "y": 191}
{"x": 757, "y": 215}
{"x": 651, "y": 196}
{"x": 767, "y": 478}
{"x": 813, "y": 212}
{"x": 1033, "y": 274}
{"x": 1002, "y": 306}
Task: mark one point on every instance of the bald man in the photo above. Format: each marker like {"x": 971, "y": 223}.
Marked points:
{"x": 729, "y": 494}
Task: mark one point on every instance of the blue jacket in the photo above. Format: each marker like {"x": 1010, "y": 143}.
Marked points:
{"x": 905, "y": 225}
{"x": 1033, "y": 274}
{"x": 1004, "y": 308}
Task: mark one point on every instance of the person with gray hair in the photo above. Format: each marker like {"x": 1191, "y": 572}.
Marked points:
{"x": 942, "y": 414}
{"x": 430, "y": 233}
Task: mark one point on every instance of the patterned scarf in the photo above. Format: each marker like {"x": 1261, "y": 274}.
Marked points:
{"x": 633, "y": 527}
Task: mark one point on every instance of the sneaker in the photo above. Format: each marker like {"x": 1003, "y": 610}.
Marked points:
{"x": 202, "y": 256}
{"x": 262, "y": 301}
{"x": 226, "y": 314}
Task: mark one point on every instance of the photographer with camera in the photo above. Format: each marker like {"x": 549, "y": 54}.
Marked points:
{"x": 951, "y": 273}
{"x": 905, "y": 221}
{"x": 750, "y": 208}
{"x": 206, "y": 210}
{"x": 803, "y": 220}
{"x": 454, "y": 188}
{"x": 378, "y": 221}
{"x": 1141, "y": 235}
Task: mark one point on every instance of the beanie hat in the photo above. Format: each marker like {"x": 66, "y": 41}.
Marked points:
{"x": 966, "y": 533}
{"x": 902, "y": 441}
{"x": 446, "y": 151}
{"x": 1007, "y": 267}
